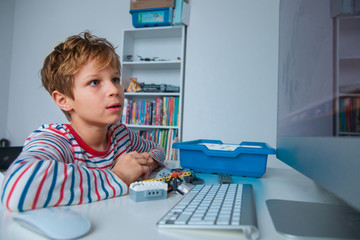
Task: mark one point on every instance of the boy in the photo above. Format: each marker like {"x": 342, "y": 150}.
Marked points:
{"x": 94, "y": 157}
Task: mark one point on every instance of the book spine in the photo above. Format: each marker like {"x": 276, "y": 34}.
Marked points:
{"x": 161, "y": 111}
{"x": 142, "y": 112}
{"x": 165, "y": 111}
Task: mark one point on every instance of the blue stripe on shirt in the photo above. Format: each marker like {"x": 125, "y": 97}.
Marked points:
{"x": 121, "y": 189}
{"x": 50, "y": 143}
{"x": 102, "y": 184}
{"x": 7, "y": 182}
{"x": 52, "y": 186}
{"x": 100, "y": 161}
{"x": 89, "y": 185}
{"x": 72, "y": 185}
{"x": 27, "y": 186}
{"x": 120, "y": 132}
{"x": 125, "y": 143}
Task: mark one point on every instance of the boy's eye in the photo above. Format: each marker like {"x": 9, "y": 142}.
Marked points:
{"x": 116, "y": 80}
{"x": 94, "y": 82}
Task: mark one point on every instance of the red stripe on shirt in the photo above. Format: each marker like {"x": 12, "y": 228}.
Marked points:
{"x": 14, "y": 185}
{"x": 62, "y": 186}
{"x": 103, "y": 167}
{"x": 53, "y": 147}
{"x": 114, "y": 191}
{"x": 40, "y": 187}
{"x": 96, "y": 189}
{"x": 81, "y": 186}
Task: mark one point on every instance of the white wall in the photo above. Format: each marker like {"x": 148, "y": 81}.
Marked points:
{"x": 39, "y": 26}
{"x": 231, "y": 71}
{"x": 231, "y": 64}
{"x": 6, "y": 34}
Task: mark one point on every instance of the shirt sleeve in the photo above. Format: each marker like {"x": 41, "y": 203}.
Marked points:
{"x": 140, "y": 144}
{"x": 45, "y": 174}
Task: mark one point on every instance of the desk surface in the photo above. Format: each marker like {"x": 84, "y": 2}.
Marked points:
{"x": 122, "y": 218}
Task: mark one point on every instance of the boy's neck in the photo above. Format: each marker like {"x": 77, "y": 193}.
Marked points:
{"x": 94, "y": 137}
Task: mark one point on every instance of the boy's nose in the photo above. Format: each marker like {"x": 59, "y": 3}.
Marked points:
{"x": 115, "y": 89}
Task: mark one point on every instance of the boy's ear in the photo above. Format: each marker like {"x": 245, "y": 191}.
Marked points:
{"x": 62, "y": 101}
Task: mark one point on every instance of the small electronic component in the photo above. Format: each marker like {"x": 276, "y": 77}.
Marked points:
{"x": 148, "y": 191}
{"x": 224, "y": 178}
{"x": 165, "y": 172}
{"x": 185, "y": 188}
{"x": 168, "y": 178}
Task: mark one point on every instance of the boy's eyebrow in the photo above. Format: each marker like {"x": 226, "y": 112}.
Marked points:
{"x": 94, "y": 75}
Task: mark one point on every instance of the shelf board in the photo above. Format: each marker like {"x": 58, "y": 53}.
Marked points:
{"x": 151, "y": 126}
{"x": 350, "y": 58}
{"x": 349, "y": 133}
{"x": 155, "y": 32}
{"x": 152, "y": 94}
{"x": 153, "y": 65}
{"x": 349, "y": 95}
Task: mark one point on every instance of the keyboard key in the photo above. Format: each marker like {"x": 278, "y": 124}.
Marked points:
{"x": 217, "y": 206}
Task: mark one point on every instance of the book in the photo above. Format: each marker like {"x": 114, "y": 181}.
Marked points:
{"x": 161, "y": 111}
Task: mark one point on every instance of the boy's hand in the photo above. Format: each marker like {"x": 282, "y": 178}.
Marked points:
{"x": 129, "y": 167}
{"x": 151, "y": 163}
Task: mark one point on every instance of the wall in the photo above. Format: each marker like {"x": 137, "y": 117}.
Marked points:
{"x": 39, "y": 26}
{"x": 6, "y": 37}
{"x": 231, "y": 69}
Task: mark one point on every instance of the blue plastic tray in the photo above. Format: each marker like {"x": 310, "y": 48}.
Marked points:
{"x": 213, "y": 156}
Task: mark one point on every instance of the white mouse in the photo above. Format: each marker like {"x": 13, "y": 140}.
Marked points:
{"x": 1, "y": 180}
{"x": 54, "y": 223}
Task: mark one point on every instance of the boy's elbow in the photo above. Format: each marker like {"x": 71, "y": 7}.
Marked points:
{"x": 10, "y": 203}
{"x": 13, "y": 199}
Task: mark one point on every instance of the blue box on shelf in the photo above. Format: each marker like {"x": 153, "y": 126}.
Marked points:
{"x": 152, "y": 17}
{"x": 213, "y": 156}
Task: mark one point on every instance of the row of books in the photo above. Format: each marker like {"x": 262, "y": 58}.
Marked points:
{"x": 349, "y": 115}
{"x": 163, "y": 137}
{"x": 162, "y": 111}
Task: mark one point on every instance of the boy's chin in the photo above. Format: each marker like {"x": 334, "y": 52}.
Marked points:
{"x": 115, "y": 121}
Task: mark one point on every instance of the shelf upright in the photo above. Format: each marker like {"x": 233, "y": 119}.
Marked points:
{"x": 155, "y": 56}
{"x": 347, "y": 75}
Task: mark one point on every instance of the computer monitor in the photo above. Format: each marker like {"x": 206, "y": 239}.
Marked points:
{"x": 318, "y": 130}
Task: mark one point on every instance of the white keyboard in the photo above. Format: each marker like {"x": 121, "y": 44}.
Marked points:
{"x": 221, "y": 206}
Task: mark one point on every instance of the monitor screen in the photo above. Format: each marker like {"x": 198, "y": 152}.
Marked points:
{"x": 318, "y": 130}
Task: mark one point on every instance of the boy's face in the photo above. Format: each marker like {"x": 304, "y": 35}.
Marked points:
{"x": 98, "y": 96}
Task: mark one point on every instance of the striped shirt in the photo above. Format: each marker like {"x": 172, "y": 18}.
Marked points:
{"x": 57, "y": 168}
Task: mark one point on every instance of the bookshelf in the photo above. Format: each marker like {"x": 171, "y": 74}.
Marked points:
{"x": 347, "y": 75}
{"x": 155, "y": 56}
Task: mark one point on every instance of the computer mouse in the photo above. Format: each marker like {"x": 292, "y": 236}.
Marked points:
{"x": 54, "y": 223}
{"x": 1, "y": 180}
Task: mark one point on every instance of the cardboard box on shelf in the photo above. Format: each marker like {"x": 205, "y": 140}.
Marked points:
{"x": 181, "y": 13}
{"x": 144, "y": 4}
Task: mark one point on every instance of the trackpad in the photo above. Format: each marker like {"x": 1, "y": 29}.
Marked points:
{"x": 308, "y": 219}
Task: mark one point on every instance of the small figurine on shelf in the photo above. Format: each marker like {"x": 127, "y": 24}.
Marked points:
{"x": 134, "y": 85}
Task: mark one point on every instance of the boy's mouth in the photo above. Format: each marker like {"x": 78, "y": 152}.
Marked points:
{"x": 114, "y": 106}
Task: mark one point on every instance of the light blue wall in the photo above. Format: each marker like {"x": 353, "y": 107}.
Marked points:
{"x": 231, "y": 68}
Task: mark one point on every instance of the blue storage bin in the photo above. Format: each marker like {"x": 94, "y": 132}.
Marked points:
{"x": 152, "y": 17}
{"x": 213, "y": 156}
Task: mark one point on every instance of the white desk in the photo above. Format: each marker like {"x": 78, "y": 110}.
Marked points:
{"x": 122, "y": 218}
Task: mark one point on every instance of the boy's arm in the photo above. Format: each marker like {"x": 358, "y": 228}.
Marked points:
{"x": 45, "y": 174}
{"x": 141, "y": 145}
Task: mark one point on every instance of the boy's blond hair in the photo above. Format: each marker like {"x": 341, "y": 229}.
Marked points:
{"x": 62, "y": 64}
